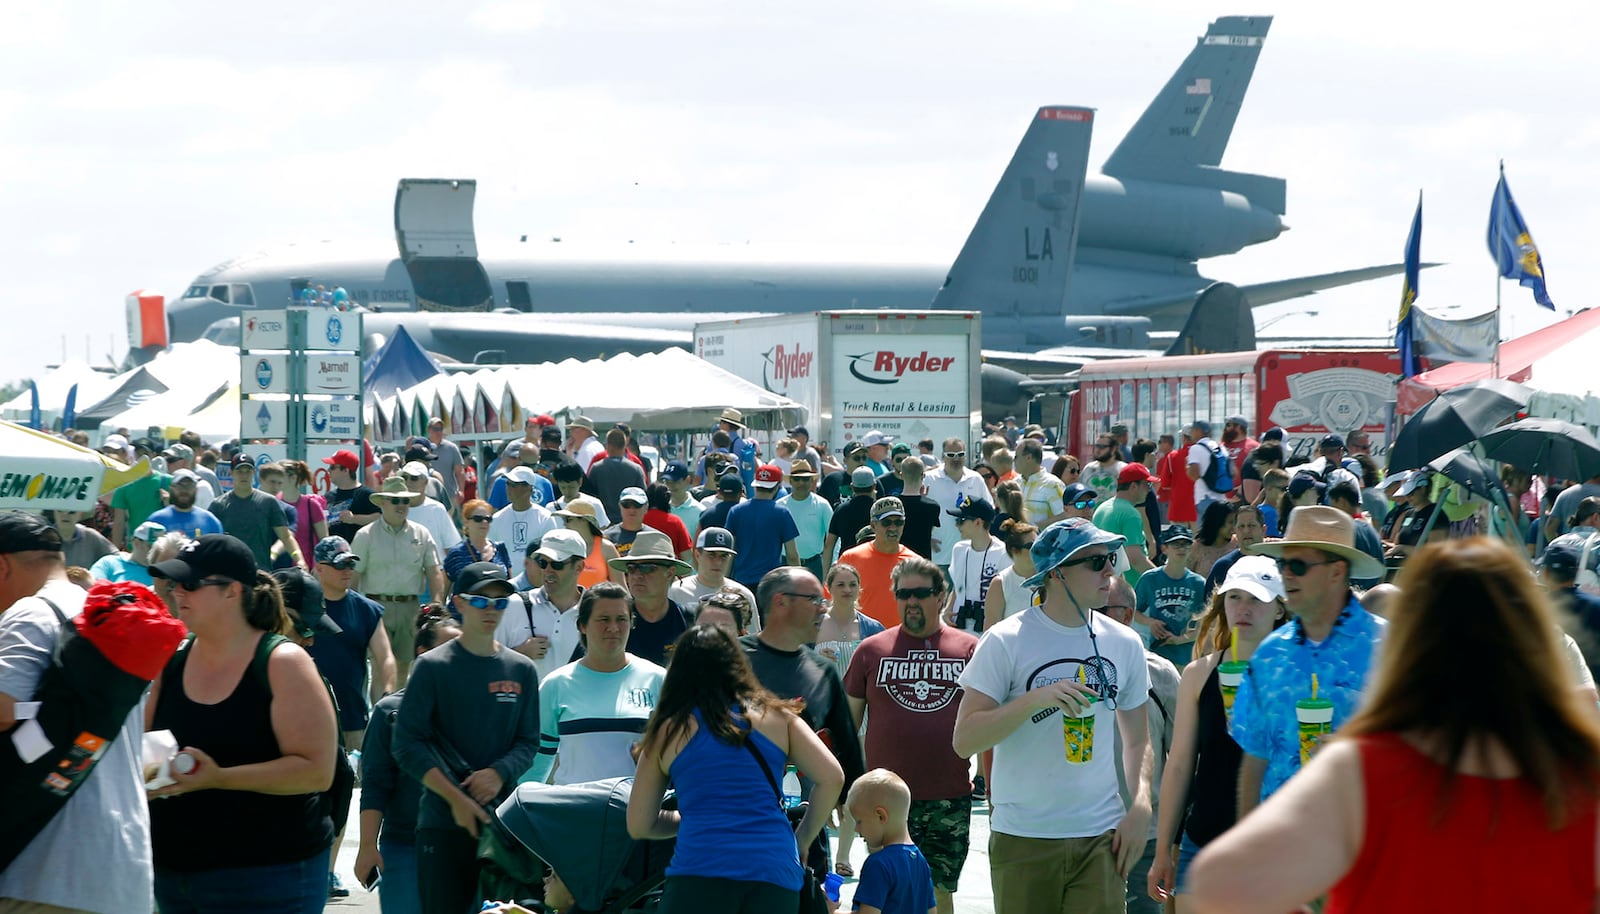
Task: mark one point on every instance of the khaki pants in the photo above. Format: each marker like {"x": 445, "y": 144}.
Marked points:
{"x": 1044, "y": 875}
{"x": 12, "y": 906}
{"x": 400, "y": 621}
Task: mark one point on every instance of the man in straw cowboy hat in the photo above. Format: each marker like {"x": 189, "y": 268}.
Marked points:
{"x": 649, "y": 569}
{"x": 745, "y": 450}
{"x": 397, "y": 557}
{"x": 1327, "y": 648}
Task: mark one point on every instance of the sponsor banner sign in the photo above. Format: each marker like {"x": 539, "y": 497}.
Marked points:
{"x": 333, "y": 419}
{"x": 333, "y": 373}
{"x": 263, "y": 419}
{"x": 41, "y": 485}
{"x": 264, "y": 373}
{"x": 264, "y": 330}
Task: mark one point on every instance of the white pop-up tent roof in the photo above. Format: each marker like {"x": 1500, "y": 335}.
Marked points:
{"x": 663, "y": 391}
{"x": 53, "y": 388}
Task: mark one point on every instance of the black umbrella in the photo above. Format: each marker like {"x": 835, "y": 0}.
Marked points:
{"x": 1454, "y": 418}
{"x": 1471, "y": 472}
{"x": 1547, "y": 446}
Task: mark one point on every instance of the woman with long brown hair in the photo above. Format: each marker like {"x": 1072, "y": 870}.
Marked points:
{"x": 1469, "y": 781}
{"x": 723, "y": 740}
{"x": 1200, "y": 784}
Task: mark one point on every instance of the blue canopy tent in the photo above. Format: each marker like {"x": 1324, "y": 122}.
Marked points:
{"x": 400, "y": 364}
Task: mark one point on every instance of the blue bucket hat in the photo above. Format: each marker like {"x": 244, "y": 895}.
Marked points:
{"x": 1063, "y": 540}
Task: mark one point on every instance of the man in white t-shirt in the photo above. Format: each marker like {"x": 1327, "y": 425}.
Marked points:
{"x": 1199, "y": 462}
{"x": 542, "y": 623}
{"x": 94, "y": 854}
{"x": 945, "y": 486}
{"x": 521, "y": 523}
{"x": 714, "y": 550}
{"x": 1059, "y": 827}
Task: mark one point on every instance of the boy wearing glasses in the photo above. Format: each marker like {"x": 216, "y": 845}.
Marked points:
{"x": 1061, "y": 837}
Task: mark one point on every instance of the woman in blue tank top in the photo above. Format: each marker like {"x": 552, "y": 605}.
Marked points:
{"x": 735, "y": 849}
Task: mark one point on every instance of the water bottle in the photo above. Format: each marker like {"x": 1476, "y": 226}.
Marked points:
{"x": 355, "y": 760}
{"x": 791, "y": 787}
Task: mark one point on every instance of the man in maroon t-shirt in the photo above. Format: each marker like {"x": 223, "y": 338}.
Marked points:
{"x": 907, "y": 677}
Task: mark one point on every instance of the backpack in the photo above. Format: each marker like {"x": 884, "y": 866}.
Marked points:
{"x": 1218, "y": 475}
{"x": 336, "y": 799}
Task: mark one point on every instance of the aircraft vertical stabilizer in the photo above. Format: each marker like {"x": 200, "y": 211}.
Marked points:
{"x": 1182, "y": 135}
{"x": 1018, "y": 259}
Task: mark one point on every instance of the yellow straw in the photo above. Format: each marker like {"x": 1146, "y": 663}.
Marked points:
{"x": 1080, "y": 674}
{"x": 1313, "y": 686}
{"x": 1234, "y": 637}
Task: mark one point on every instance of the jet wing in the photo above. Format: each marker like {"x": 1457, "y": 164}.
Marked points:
{"x": 1258, "y": 294}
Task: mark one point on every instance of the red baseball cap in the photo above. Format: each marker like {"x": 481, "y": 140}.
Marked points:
{"x": 346, "y": 459}
{"x": 768, "y": 476}
{"x": 1133, "y": 472}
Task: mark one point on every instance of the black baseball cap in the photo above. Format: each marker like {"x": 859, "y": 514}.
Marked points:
{"x": 419, "y": 450}
{"x": 302, "y": 593}
{"x": 242, "y": 459}
{"x": 212, "y": 555}
{"x": 973, "y": 509}
{"x": 24, "y": 532}
{"x": 484, "y": 576}
{"x": 730, "y": 483}
{"x": 715, "y": 539}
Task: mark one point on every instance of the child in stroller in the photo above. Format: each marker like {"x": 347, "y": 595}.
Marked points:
{"x": 581, "y": 832}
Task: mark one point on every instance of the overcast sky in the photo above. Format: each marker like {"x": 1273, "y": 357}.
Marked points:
{"x": 145, "y": 142}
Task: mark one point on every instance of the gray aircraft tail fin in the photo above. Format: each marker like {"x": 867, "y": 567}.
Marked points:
{"x": 1181, "y": 137}
{"x": 1018, "y": 259}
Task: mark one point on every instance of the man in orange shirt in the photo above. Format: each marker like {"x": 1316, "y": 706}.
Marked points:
{"x": 876, "y": 559}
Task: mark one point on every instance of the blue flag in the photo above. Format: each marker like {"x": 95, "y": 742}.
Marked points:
{"x": 35, "y": 418}
{"x": 1512, "y": 247}
{"x": 70, "y": 413}
{"x": 1404, "y": 327}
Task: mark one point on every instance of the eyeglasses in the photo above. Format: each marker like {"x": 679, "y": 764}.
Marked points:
{"x": 498, "y": 604}
{"x": 1080, "y": 505}
{"x": 643, "y": 568}
{"x": 1298, "y": 567}
{"x": 1073, "y": 470}
{"x": 955, "y": 455}
{"x": 812, "y": 598}
{"x": 914, "y": 593}
{"x": 1096, "y": 563}
{"x": 482, "y": 518}
{"x": 192, "y": 586}
{"x": 892, "y": 521}
{"x": 543, "y": 562}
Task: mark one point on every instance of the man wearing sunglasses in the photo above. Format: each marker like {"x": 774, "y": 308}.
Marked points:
{"x": 835, "y": 486}
{"x": 541, "y": 623}
{"x": 1330, "y": 637}
{"x": 714, "y": 552}
{"x": 342, "y": 654}
{"x": 649, "y": 569}
{"x": 1059, "y": 829}
{"x": 1078, "y": 500}
{"x": 875, "y": 560}
{"x": 907, "y": 677}
{"x": 946, "y": 486}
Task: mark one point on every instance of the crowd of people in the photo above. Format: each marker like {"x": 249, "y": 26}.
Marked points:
{"x": 1117, "y": 660}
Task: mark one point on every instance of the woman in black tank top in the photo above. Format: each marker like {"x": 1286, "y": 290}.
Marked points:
{"x": 1200, "y": 783}
{"x": 246, "y": 824}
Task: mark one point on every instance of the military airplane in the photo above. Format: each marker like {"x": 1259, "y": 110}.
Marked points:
{"x": 1058, "y": 261}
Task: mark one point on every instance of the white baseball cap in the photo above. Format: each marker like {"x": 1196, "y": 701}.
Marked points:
{"x": 561, "y": 544}
{"x": 1256, "y": 575}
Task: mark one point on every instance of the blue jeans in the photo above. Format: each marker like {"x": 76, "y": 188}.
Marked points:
{"x": 281, "y": 888}
{"x": 397, "y": 893}
{"x": 1187, "y": 851}
{"x": 1139, "y": 900}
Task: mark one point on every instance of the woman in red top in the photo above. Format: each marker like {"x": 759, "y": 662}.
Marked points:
{"x": 1469, "y": 780}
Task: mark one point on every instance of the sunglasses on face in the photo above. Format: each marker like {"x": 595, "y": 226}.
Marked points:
{"x": 1298, "y": 567}
{"x": 482, "y": 518}
{"x": 543, "y": 562}
{"x": 1080, "y": 505}
{"x": 955, "y": 455}
{"x": 914, "y": 593}
{"x": 498, "y": 604}
{"x": 892, "y": 522}
{"x": 192, "y": 586}
{"x": 812, "y": 598}
{"x": 643, "y": 568}
{"x": 1096, "y": 563}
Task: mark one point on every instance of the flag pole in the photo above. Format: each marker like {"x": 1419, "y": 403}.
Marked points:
{"x": 1494, "y": 371}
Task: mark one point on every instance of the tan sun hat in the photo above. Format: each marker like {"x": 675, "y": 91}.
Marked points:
{"x": 654, "y": 547}
{"x": 1327, "y": 529}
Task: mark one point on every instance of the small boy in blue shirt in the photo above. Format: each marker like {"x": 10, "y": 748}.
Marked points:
{"x": 896, "y": 878}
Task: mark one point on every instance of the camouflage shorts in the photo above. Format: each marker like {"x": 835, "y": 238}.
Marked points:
{"x": 941, "y": 829}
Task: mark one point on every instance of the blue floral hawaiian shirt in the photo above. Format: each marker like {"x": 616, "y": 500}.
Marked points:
{"x": 1264, "y": 723}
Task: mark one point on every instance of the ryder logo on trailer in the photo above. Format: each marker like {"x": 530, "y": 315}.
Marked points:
{"x": 785, "y": 365}
{"x": 885, "y": 366}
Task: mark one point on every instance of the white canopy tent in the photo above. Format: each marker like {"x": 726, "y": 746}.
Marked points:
{"x": 195, "y": 374}
{"x": 671, "y": 390}
{"x": 1565, "y": 383}
{"x": 54, "y": 386}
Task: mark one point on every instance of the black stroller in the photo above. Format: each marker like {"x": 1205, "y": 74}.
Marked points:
{"x": 581, "y": 832}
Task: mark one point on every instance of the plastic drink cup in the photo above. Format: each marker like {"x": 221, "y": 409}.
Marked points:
{"x": 831, "y": 885}
{"x": 1316, "y": 722}
{"x": 1079, "y": 734}
{"x": 1229, "y": 674}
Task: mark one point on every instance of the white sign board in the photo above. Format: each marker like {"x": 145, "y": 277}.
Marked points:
{"x": 911, "y": 386}
{"x": 330, "y": 329}
{"x": 315, "y": 452}
{"x": 333, "y": 419}
{"x": 264, "y": 373}
{"x": 264, "y": 330}
{"x": 263, "y": 419}
{"x": 333, "y": 373}
{"x": 779, "y": 355}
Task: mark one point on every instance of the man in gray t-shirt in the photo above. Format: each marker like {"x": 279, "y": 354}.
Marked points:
{"x": 254, "y": 517}
{"x": 1566, "y": 505}
{"x": 447, "y": 461}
